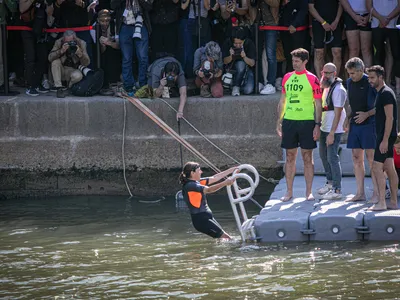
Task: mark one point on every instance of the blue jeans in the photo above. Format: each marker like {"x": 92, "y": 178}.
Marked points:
{"x": 243, "y": 80}
{"x": 270, "y": 48}
{"x": 330, "y": 159}
{"x": 187, "y": 52}
{"x": 142, "y": 51}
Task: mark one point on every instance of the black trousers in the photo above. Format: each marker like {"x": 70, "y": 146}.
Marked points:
{"x": 299, "y": 39}
{"x": 164, "y": 39}
{"x": 111, "y": 63}
{"x": 36, "y": 61}
{"x": 379, "y": 35}
{"x": 15, "y": 54}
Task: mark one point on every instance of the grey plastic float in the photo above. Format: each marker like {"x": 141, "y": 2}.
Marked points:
{"x": 299, "y": 220}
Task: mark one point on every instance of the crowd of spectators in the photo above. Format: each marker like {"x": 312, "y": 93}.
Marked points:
{"x": 213, "y": 42}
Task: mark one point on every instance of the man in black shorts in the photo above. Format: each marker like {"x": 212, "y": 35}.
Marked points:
{"x": 386, "y": 132}
{"x": 327, "y": 30}
{"x": 299, "y": 120}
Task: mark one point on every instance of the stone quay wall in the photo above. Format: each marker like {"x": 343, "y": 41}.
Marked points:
{"x": 73, "y": 146}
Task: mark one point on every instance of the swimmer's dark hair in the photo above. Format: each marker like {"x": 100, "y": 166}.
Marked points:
{"x": 190, "y": 166}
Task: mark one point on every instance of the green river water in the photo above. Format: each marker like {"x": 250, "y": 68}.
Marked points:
{"x": 114, "y": 248}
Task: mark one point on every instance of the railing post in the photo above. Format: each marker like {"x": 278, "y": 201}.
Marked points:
{"x": 257, "y": 60}
{"x": 98, "y": 47}
{"x": 5, "y": 62}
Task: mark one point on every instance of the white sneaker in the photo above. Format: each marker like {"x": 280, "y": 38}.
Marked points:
{"x": 325, "y": 189}
{"x": 12, "y": 76}
{"x": 332, "y": 195}
{"x": 46, "y": 84}
{"x": 260, "y": 87}
{"x": 235, "y": 91}
{"x": 268, "y": 90}
{"x": 278, "y": 84}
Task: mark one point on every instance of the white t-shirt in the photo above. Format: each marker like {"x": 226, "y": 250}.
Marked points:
{"x": 339, "y": 96}
{"x": 384, "y": 8}
{"x": 359, "y": 6}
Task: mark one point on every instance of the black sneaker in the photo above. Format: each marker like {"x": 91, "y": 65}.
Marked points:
{"x": 106, "y": 92}
{"x": 62, "y": 92}
{"x": 32, "y": 92}
{"x": 56, "y": 88}
{"x": 42, "y": 90}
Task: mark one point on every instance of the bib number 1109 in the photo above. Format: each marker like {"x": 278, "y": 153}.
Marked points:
{"x": 294, "y": 87}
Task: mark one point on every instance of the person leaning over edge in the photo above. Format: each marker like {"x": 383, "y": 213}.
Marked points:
{"x": 386, "y": 132}
{"x": 299, "y": 120}
{"x": 165, "y": 75}
{"x": 194, "y": 190}
{"x": 333, "y": 116}
{"x": 360, "y": 123}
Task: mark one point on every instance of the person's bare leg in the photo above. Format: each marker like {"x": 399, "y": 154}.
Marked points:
{"x": 319, "y": 61}
{"x": 377, "y": 169}
{"x": 353, "y": 41}
{"x": 337, "y": 58}
{"x": 290, "y": 170}
{"x": 308, "y": 171}
{"x": 366, "y": 47}
{"x": 388, "y": 61}
{"x": 388, "y": 166}
{"x": 359, "y": 172}
{"x": 370, "y": 157}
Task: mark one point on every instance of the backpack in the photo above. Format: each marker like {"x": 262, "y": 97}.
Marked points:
{"x": 90, "y": 84}
{"x": 329, "y": 103}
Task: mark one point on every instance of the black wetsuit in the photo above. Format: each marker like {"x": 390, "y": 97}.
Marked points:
{"x": 202, "y": 218}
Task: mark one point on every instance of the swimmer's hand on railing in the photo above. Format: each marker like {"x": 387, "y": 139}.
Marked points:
{"x": 230, "y": 181}
{"x": 211, "y": 189}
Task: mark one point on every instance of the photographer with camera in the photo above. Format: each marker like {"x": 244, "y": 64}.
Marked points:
{"x": 34, "y": 14}
{"x": 208, "y": 67}
{"x": 165, "y": 76}
{"x": 67, "y": 54}
{"x": 73, "y": 13}
{"x": 239, "y": 54}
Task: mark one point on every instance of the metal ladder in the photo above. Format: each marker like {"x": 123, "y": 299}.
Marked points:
{"x": 246, "y": 228}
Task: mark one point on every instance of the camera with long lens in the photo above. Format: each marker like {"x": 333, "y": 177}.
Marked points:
{"x": 206, "y": 69}
{"x": 170, "y": 80}
{"x": 207, "y": 73}
{"x": 73, "y": 46}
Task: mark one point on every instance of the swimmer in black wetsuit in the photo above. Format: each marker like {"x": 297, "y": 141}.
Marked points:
{"x": 194, "y": 192}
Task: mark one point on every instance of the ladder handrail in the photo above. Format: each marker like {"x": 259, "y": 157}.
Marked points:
{"x": 242, "y": 195}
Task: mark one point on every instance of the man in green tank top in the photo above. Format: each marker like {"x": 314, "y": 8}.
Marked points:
{"x": 299, "y": 120}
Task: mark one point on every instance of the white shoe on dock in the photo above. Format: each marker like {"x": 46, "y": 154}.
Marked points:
{"x": 332, "y": 195}
{"x": 325, "y": 189}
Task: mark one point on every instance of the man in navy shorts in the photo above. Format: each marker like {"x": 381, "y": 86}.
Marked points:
{"x": 361, "y": 123}
{"x": 386, "y": 132}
